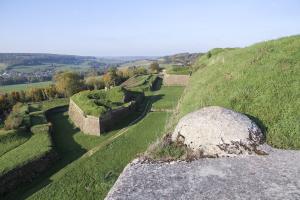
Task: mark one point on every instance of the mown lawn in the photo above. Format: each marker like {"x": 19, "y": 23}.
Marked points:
{"x": 167, "y": 97}
{"x": 94, "y": 176}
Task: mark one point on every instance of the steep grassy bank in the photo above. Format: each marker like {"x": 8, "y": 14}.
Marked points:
{"x": 262, "y": 81}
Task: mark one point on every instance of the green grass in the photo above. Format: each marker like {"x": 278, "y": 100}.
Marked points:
{"x": 178, "y": 70}
{"x": 140, "y": 83}
{"x": 46, "y": 105}
{"x": 32, "y": 68}
{"x": 167, "y": 97}
{"x": 138, "y": 63}
{"x": 24, "y": 87}
{"x": 261, "y": 81}
{"x": 38, "y": 145}
{"x": 73, "y": 177}
{"x": 19, "y": 147}
{"x": 98, "y": 102}
{"x": 93, "y": 176}
{"x": 12, "y": 139}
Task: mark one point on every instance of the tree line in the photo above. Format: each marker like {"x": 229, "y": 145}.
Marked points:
{"x": 67, "y": 83}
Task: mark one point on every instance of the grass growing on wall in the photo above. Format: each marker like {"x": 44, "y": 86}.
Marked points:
{"x": 262, "y": 80}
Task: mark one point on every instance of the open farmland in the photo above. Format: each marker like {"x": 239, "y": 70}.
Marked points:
{"x": 19, "y": 87}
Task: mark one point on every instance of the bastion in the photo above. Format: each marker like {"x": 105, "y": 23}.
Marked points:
{"x": 97, "y": 111}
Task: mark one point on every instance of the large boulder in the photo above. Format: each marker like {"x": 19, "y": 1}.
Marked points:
{"x": 216, "y": 131}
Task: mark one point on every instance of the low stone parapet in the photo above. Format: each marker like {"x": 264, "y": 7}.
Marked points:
{"x": 175, "y": 80}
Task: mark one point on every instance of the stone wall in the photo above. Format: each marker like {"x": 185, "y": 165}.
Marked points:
{"x": 94, "y": 125}
{"x": 86, "y": 123}
{"x": 108, "y": 121}
{"x": 175, "y": 80}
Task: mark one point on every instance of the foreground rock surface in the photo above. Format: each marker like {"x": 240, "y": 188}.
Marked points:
{"x": 216, "y": 131}
{"x": 275, "y": 176}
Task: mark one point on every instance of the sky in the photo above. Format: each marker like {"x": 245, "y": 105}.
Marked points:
{"x": 142, "y": 27}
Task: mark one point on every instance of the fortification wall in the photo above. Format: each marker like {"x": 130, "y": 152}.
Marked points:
{"x": 87, "y": 124}
{"x": 175, "y": 80}
{"x": 94, "y": 125}
{"x": 108, "y": 121}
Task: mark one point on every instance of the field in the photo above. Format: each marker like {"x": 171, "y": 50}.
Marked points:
{"x": 32, "y": 68}
{"x": 138, "y": 63}
{"x": 261, "y": 81}
{"x": 19, "y": 87}
{"x": 167, "y": 97}
{"x": 77, "y": 176}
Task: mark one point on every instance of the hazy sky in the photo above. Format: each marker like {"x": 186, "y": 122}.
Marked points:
{"x": 141, "y": 27}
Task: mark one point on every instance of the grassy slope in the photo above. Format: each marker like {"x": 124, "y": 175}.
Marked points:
{"x": 167, "y": 97}
{"x": 261, "y": 80}
{"x": 19, "y": 87}
{"x": 93, "y": 176}
{"x": 12, "y": 139}
{"x": 36, "y": 146}
{"x": 20, "y": 147}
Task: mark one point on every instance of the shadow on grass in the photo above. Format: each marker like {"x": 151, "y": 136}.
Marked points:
{"x": 261, "y": 125}
{"x": 66, "y": 147}
{"x": 157, "y": 84}
{"x": 69, "y": 150}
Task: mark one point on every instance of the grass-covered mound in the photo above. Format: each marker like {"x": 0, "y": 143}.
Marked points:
{"x": 21, "y": 146}
{"x": 38, "y": 145}
{"x": 12, "y": 139}
{"x": 178, "y": 70}
{"x": 98, "y": 102}
{"x": 262, "y": 81}
{"x": 140, "y": 83}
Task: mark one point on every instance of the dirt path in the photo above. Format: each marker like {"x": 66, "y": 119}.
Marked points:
{"x": 275, "y": 176}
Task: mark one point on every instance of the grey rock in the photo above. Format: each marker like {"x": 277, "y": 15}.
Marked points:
{"x": 216, "y": 131}
{"x": 274, "y": 176}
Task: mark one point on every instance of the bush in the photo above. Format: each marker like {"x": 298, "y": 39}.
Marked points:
{"x": 18, "y": 117}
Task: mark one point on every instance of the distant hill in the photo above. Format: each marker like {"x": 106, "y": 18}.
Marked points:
{"x": 181, "y": 58}
{"x": 261, "y": 81}
{"x": 29, "y": 59}
{"x": 21, "y": 60}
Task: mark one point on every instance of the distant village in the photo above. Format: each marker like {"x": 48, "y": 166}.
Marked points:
{"x": 14, "y": 77}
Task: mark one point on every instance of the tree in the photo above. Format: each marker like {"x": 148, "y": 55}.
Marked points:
{"x": 95, "y": 82}
{"x": 208, "y": 55}
{"x": 128, "y": 72}
{"x": 68, "y": 83}
{"x": 154, "y": 67}
{"x": 107, "y": 79}
{"x": 140, "y": 71}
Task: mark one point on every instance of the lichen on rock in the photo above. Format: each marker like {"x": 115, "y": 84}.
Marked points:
{"x": 217, "y": 131}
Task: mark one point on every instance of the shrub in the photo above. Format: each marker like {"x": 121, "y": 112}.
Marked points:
{"x": 18, "y": 117}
